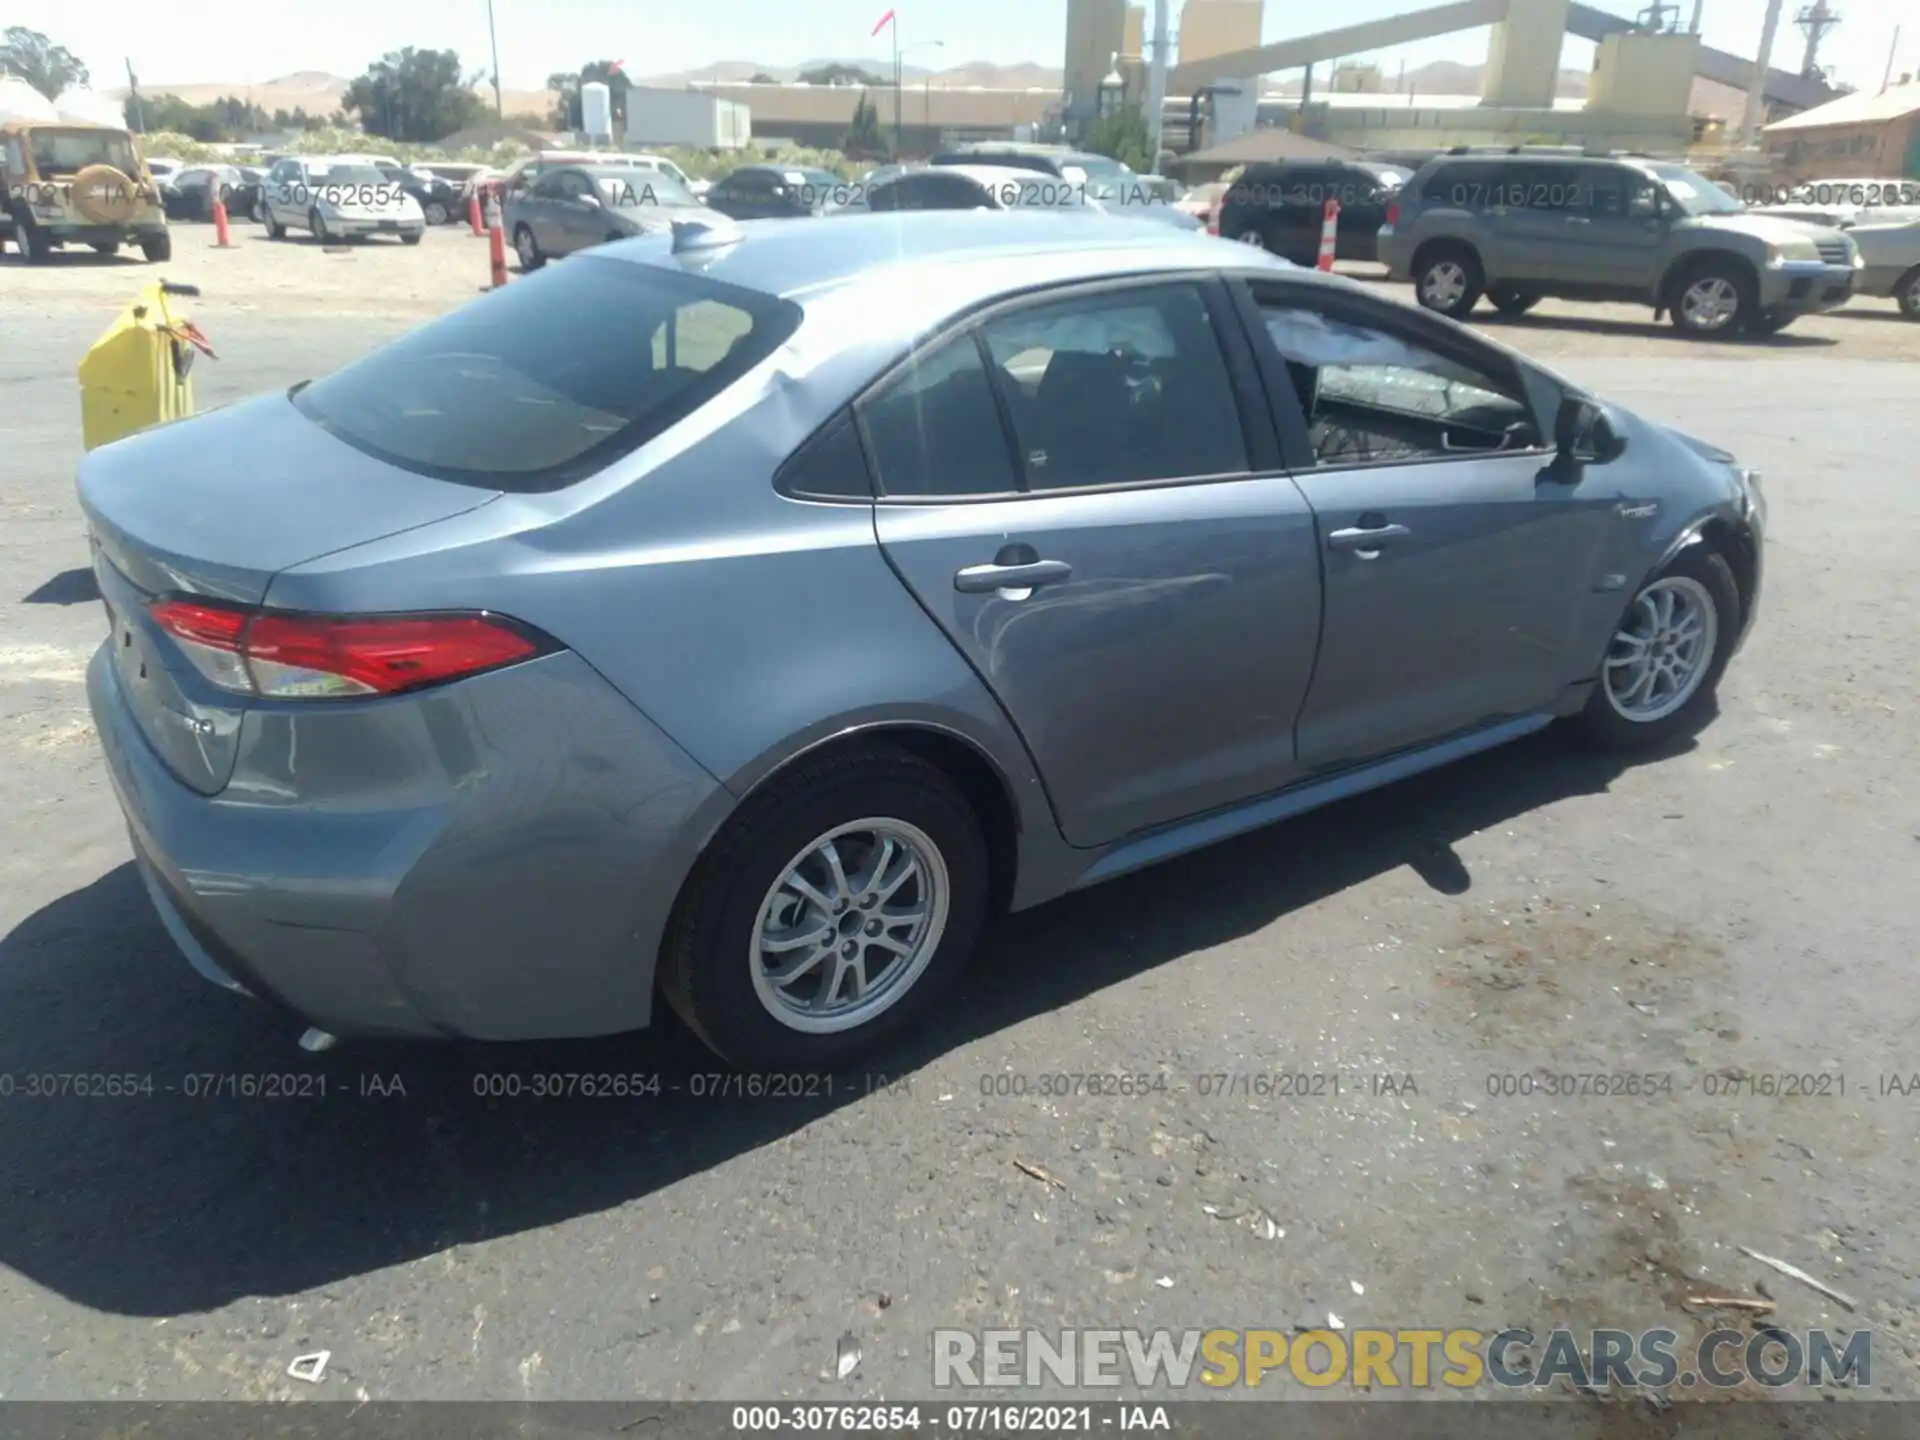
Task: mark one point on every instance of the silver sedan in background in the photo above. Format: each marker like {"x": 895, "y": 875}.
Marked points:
{"x": 746, "y": 614}
{"x": 575, "y": 206}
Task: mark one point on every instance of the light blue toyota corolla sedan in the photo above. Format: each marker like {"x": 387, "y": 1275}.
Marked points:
{"x": 746, "y": 615}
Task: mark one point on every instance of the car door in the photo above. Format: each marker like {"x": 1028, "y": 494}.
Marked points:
{"x": 279, "y": 194}
{"x": 1617, "y": 240}
{"x": 578, "y": 217}
{"x": 539, "y": 210}
{"x": 1534, "y": 203}
{"x": 1363, "y": 200}
{"x": 1296, "y": 201}
{"x": 1084, "y": 491}
{"x": 1459, "y": 563}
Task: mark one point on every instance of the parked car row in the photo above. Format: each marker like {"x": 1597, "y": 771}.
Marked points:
{"x": 1517, "y": 225}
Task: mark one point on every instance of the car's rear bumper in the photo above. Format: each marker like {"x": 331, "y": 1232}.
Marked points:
{"x": 1805, "y": 287}
{"x": 495, "y": 859}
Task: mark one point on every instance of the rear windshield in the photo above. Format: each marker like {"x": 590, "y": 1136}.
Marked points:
{"x": 68, "y": 152}
{"x": 544, "y": 383}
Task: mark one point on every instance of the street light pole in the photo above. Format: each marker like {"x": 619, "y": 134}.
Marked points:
{"x": 899, "y": 78}
{"x": 493, "y": 39}
{"x": 1157, "y": 84}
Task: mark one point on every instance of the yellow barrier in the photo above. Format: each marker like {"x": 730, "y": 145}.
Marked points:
{"x": 140, "y": 372}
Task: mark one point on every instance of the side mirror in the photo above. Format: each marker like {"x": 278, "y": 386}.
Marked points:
{"x": 1583, "y": 433}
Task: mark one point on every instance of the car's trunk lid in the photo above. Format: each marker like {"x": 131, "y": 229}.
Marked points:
{"x": 216, "y": 507}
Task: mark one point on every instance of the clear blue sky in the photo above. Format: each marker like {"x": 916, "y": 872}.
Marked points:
{"x": 245, "y": 42}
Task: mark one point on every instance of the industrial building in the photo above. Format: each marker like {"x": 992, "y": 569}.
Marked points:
{"x": 1856, "y": 136}
{"x": 1638, "y": 98}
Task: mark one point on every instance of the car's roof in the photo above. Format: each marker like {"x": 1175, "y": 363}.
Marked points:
{"x": 985, "y": 173}
{"x": 791, "y": 257}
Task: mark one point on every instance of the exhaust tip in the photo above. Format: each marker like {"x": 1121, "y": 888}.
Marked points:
{"x": 316, "y": 1041}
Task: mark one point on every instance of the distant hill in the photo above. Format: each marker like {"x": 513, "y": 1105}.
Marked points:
{"x": 314, "y": 91}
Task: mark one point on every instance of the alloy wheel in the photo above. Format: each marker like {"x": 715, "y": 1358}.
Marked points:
{"x": 524, "y": 247}
{"x": 1710, "y": 303}
{"x": 1443, "y": 284}
{"x": 849, "y": 926}
{"x": 1663, "y": 649}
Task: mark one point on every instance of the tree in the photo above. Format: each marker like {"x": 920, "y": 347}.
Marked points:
{"x": 415, "y": 96}
{"x": 760, "y": 77}
{"x": 1122, "y": 137}
{"x": 48, "y": 67}
{"x": 839, "y": 74}
{"x": 863, "y": 136}
{"x": 567, "y": 114}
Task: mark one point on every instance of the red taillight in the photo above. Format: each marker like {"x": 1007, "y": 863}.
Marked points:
{"x": 288, "y": 656}
{"x": 1393, "y": 213}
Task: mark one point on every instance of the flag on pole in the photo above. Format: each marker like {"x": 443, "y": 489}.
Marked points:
{"x": 884, "y": 21}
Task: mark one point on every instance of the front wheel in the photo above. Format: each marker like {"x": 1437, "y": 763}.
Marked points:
{"x": 528, "y": 249}
{"x": 1907, "y": 292}
{"x": 1713, "y": 301}
{"x": 317, "y": 223}
{"x": 1448, "y": 282}
{"x": 1667, "y": 654}
{"x": 436, "y": 213}
{"x": 157, "y": 247}
{"x": 108, "y": 248}
{"x": 830, "y": 913}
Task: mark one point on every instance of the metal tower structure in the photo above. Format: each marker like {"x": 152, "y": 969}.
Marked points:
{"x": 1659, "y": 18}
{"x": 1815, "y": 21}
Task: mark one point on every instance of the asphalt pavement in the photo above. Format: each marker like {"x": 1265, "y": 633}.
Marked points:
{"x": 1739, "y": 909}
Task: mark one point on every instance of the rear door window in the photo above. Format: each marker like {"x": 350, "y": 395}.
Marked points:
{"x": 934, "y": 429}
{"x": 1118, "y": 387}
{"x": 542, "y": 384}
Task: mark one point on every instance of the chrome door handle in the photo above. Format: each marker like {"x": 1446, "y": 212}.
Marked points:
{"x": 983, "y": 579}
{"x": 1365, "y": 539}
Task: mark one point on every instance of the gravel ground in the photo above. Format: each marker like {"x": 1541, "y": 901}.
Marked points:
{"x": 1740, "y": 907}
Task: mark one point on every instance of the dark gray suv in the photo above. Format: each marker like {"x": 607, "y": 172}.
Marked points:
{"x": 1516, "y": 227}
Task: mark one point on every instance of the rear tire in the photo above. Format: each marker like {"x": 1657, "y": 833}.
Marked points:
{"x": 157, "y": 247}
{"x": 317, "y": 223}
{"x": 1511, "y": 302}
{"x": 739, "y": 918}
{"x": 1702, "y": 594}
{"x": 436, "y": 213}
{"x": 1448, "y": 280}
{"x": 1713, "y": 300}
{"x": 36, "y": 248}
{"x": 275, "y": 230}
